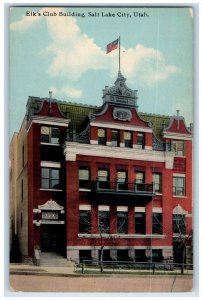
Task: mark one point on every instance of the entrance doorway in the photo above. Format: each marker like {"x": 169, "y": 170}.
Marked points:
{"x": 53, "y": 238}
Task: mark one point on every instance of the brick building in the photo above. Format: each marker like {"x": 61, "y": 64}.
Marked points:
{"x": 90, "y": 179}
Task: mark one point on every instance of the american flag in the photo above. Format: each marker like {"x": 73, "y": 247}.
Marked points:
{"x": 112, "y": 46}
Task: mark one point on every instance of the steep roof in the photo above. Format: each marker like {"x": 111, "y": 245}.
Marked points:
{"x": 78, "y": 114}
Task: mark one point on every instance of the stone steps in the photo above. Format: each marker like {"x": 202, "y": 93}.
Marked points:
{"x": 50, "y": 259}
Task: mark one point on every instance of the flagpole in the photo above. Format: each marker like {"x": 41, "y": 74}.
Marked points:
{"x": 119, "y": 55}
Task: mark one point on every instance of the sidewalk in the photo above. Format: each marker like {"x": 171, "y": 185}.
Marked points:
{"x": 69, "y": 271}
{"x": 26, "y": 269}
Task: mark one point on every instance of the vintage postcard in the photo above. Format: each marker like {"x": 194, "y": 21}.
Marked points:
{"x": 101, "y": 149}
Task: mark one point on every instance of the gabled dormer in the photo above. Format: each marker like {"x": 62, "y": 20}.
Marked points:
{"x": 118, "y": 124}
{"x": 176, "y": 135}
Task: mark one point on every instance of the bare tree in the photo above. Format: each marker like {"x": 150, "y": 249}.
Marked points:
{"x": 104, "y": 218}
{"x": 182, "y": 238}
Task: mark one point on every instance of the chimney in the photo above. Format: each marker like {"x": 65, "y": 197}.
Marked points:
{"x": 178, "y": 118}
{"x": 50, "y": 98}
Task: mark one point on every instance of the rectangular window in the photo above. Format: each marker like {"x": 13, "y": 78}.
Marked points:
{"x": 140, "y": 140}
{"x": 179, "y": 223}
{"x": 157, "y": 225}
{"x": 178, "y": 147}
{"x": 104, "y": 221}
{"x": 115, "y": 138}
{"x": 140, "y": 255}
{"x": 23, "y": 156}
{"x": 50, "y": 134}
{"x": 122, "y": 222}
{"x": 22, "y": 190}
{"x": 50, "y": 178}
{"x": 140, "y": 222}
{"x": 84, "y": 177}
{"x": 139, "y": 181}
{"x": 157, "y": 182}
{"x": 157, "y": 255}
{"x": 103, "y": 178}
{"x": 128, "y": 139}
{"x": 179, "y": 186}
{"x": 84, "y": 221}
{"x": 101, "y": 136}
{"x": 122, "y": 180}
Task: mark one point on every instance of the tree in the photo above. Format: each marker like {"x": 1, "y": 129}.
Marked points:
{"x": 104, "y": 217}
{"x": 181, "y": 237}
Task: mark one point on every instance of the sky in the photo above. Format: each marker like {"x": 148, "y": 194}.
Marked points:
{"x": 51, "y": 50}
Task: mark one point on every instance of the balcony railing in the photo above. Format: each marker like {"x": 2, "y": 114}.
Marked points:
{"x": 122, "y": 188}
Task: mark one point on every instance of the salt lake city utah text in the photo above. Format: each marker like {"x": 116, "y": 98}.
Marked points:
{"x": 109, "y": 14}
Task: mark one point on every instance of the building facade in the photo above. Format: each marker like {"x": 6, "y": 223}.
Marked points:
{"x": 102, "y": 180}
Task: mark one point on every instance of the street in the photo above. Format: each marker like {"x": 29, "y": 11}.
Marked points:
{"x": 101, "y": 284}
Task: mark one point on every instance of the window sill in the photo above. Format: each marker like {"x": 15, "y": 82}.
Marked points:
{"x": 49, "y": 144}
{"x": 84, "y": 190}
{"x": 176, "y": 196}
{"x": 51, "y": 190}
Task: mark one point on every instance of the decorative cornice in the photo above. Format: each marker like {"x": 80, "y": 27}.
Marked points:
{"x": 120, "y": 126}
{"x": 50, "y": 205}
{"x": 71, "y": 150}
{"x": 177, "y": 136}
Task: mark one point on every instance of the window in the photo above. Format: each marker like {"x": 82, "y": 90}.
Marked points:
{"x": 122, "y": 255}
{"x": 128, "y": 139}
{"x": 122, "y": 222}
{"x": 157, "y": 255}
{"x": 23, "y": 156}
{"x": 122, "y": 180}
{"x": 85, "y": 255}
{"x": 157, "y": 181}
{"x": 103, "y": 178}
{"x": 140, "y": 255}
{"x": 179, "y": 223}
{"x": 101, "y": 136}
{"x": 140, "y": 140}
{"x": 178, "y": 186}
{"x": 50, "y": 134}
{"x": 50, "y": 178}
{"x": 84, "y": 177}
{"x": 22, "y": 190}
{"x": 157, "y": 226}
{"x": 115, "y": 138}
{"x": 140, "y": 224}
{"x": 178, "y": 147}
{"x": 139, "y": 180}
{"x": 84, "y": 221}
{"x": 104, "y": 221}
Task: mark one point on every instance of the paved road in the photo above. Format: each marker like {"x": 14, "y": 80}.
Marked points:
{"x": 101, "y": 284}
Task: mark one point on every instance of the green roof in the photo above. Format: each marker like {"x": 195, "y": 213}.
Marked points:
{"x": 78, "y": 114}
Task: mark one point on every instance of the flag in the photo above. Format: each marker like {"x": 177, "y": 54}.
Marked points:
{"x": 112, "y": 46}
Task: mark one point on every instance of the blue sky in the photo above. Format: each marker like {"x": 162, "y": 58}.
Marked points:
{"x": 68, "y": 56}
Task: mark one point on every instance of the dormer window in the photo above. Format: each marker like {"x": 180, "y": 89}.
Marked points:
{"x": 140, "y": 140}
{"x": 101, "y": 136}
{"x": 115, "y": 138}
{"x": 178, "y": 147}
{"x": 128, "y": 139}
{"x": 50, "y": 134}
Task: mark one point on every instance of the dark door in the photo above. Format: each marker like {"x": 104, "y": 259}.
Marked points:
{"x": 53, "y": 238}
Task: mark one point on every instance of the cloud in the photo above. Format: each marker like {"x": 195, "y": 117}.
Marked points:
{"x": 146, "y": 66}
{"x": 71, "y": 92}
{"x": 26, "y": 22}
{"x": 66, "y": 91}
{"x": 73, "y": 53}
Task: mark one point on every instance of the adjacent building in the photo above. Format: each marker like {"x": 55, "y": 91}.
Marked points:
{"x": 89, "y": 180}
